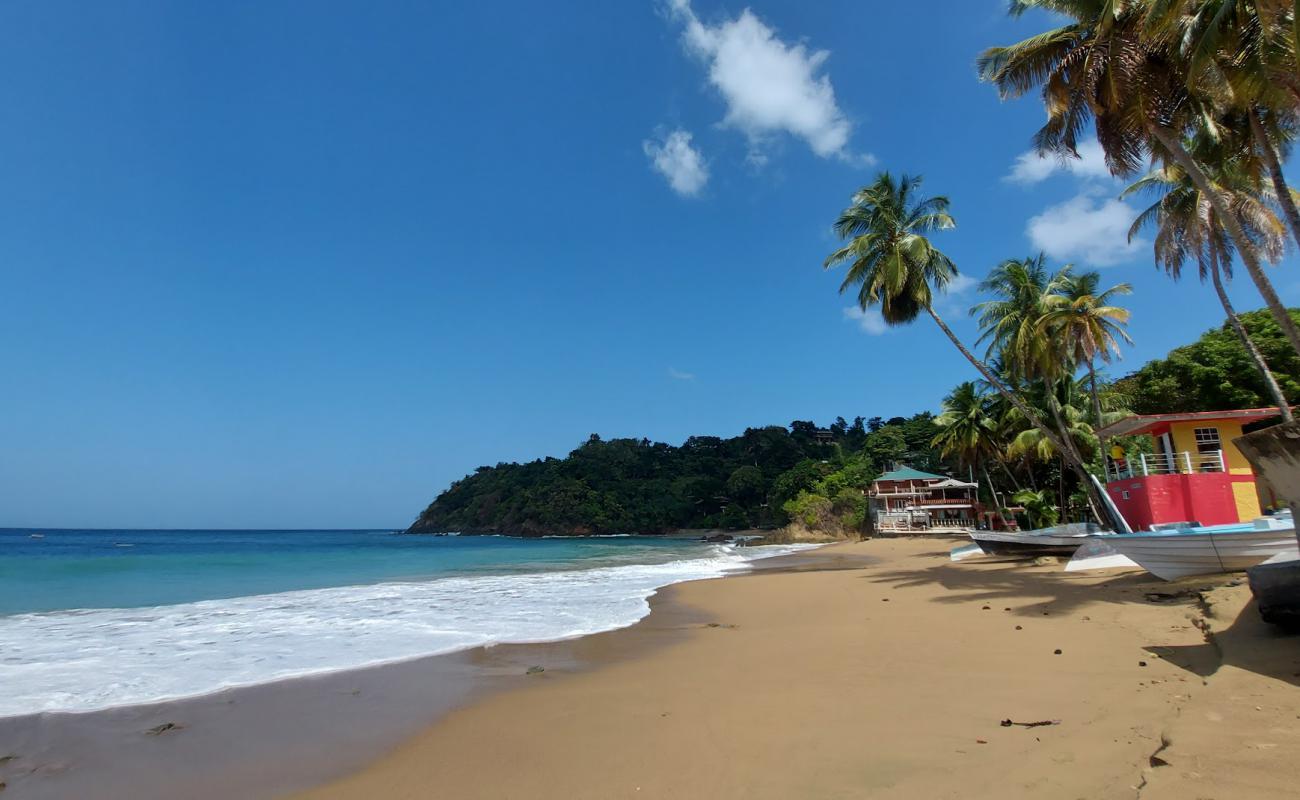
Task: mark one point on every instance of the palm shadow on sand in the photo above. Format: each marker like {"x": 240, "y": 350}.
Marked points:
{"x": 1030, "y": 591}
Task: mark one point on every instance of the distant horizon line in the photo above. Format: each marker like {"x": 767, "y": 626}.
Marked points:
{"x": 39, "y": 528}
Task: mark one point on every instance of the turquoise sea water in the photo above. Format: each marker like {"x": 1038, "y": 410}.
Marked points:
{"x": 90, "y": 619}
{"x": 70, "y": 569}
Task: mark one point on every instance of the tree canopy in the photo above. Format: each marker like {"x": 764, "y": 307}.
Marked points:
{"x": 1215, "y": 373}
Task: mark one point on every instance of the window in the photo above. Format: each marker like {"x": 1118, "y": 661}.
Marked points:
{"x": 1208, "y": 447}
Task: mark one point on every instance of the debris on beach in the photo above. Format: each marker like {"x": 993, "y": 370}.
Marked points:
{"x": 534, "y": 670}
{"x": 1007, "y": 723}
{"x": 166, "y": 727}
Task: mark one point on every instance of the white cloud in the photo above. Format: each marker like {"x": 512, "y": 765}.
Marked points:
{"x": 960, "y": 284}
{"x": 677, "y": 160}
{"x": 1088, "y": 229}
{"x": 769, "y": 86}
{"x": 678, "y": 375}
{"x": 1031, "y": 168}
{"x": 869, "y": 320}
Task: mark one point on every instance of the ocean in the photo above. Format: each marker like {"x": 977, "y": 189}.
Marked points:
{"x": 93, "y": 619}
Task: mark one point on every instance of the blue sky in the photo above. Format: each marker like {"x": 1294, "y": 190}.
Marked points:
{"x": 293, "y": 264}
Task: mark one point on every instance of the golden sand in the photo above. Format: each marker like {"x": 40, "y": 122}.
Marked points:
{"x": 890, "y": 679}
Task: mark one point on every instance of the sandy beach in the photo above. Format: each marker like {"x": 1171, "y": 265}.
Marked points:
{"x": 889, "y": 676}
{"x": 873, "y": 669}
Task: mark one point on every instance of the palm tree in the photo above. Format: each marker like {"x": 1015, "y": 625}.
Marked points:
{"x": 1082, "y": 321}
{"x": 894, "y": 265}
{"x": 1114, "y": 64}
{"x": 1012, "y": 324}
{"x": 1244, "y": 53}
{"x": 969, "y": 433}
{"x": 1187, "y": 227}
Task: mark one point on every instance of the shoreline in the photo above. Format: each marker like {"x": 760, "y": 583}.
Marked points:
{"x": 267, "y": 739}
{"x": 858, "y": 669}
{"x": 891, "y": 676}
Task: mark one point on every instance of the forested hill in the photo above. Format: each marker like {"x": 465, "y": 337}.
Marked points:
{"x": 767, "y": 476}
{"x": 1215, "y": 373}
{"x": 639, "y": 486}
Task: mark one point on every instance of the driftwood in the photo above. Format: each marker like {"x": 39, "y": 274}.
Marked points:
{"x": 1006, "y": 723}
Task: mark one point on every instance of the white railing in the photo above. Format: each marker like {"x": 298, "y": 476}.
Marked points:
{"x": 904, "y": 521}
{"x": 1185, "y": 463}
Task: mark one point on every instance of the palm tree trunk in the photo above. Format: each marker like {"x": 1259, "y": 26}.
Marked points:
{"x": 1257, "y": 357}
{"x": 1096, "y": 396}
{"x": 1284, "y": 198}
{"x": 993, "y": 492}
{"x": 1244, "y": 245}
{"x": 1063, "y": 446}
{"x": 1073, "y": 457}
{"x": 1011, "y": 476}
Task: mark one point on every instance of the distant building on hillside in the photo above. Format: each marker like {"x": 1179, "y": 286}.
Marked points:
{"x": 907, "y": 499}
{"x": 1195, "y": 474}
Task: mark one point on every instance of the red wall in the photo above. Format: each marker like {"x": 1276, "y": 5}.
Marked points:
{"x": 1203, "y": 497}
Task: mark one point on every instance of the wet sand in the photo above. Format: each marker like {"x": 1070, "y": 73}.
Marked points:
{"x": 877, "y": 669}
{"x": 892, "y": 680}
{"x": 267, "y": 740}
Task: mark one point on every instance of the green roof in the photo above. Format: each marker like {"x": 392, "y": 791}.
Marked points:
{"x": 909, "y": 474}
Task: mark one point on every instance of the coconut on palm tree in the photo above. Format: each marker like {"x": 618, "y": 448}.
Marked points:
{"x": 894, "y": 266}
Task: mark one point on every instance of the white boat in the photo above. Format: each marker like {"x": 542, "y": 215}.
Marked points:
{"x": 1179, "y": 553}
{"x": 1057, "y": 540}
{"x": 1097, "y": 554}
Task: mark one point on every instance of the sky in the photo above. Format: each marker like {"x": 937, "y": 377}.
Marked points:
{"x": 302, "y": 264}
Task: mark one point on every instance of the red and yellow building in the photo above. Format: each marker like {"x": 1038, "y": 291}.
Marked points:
{"x": 1194, "y": 474}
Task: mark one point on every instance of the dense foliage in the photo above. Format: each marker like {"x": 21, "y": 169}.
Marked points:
{"x": 1215, "y": 372}
{"x": 762, "y": 478}
{"x": 773, "y": 476}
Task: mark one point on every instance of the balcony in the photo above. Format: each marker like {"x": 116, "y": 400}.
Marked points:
{"x": 1147, "y": 464}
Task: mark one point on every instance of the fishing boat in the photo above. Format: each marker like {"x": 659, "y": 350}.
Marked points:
{"x": 1185, "y": 551}
{"x": 1058, "y": 540}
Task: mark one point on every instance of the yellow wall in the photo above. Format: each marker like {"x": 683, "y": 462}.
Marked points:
{"x": 1184, "y": 436}
{"x": 1247, "y": 499}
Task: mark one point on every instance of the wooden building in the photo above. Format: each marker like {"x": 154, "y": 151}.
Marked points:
{"x": 907, "y": 499}
{"x": 1194, "y": 473}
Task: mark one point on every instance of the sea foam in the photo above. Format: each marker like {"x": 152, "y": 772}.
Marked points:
{"x": 81, "y": 660}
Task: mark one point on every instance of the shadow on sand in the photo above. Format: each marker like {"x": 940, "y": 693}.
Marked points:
{"x": 1247, "y": 643}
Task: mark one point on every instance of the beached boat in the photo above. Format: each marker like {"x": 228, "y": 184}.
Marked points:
{"x": 1053, "y": 541}
{"x": 1181, "y": 552}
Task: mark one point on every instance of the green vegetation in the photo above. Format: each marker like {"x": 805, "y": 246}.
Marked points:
{"x": 1216, "y": 372}
{"x": 766, "y": 477}
{"x": 774, "y": 476}
{"x": 1204, "y": 94}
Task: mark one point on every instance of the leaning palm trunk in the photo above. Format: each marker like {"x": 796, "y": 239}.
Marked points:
{"x": 1096, "y": 399}
{"x": 1280, "y": 188}
{"x": 1072, "y": 456}
{"x": 1063, "y": 446}
{"x": 993, "y": 492}
{"x": 1257, "y": 357}
{"x": 1229, "y": 220}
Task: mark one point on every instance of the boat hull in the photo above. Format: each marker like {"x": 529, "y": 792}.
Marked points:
{"x": 1181, "y": 554}
{"x": 1026, "y": 544}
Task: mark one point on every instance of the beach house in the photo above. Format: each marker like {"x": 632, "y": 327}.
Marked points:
{"x": 1190, "y": 472}
{"x": 907, "y": 499}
